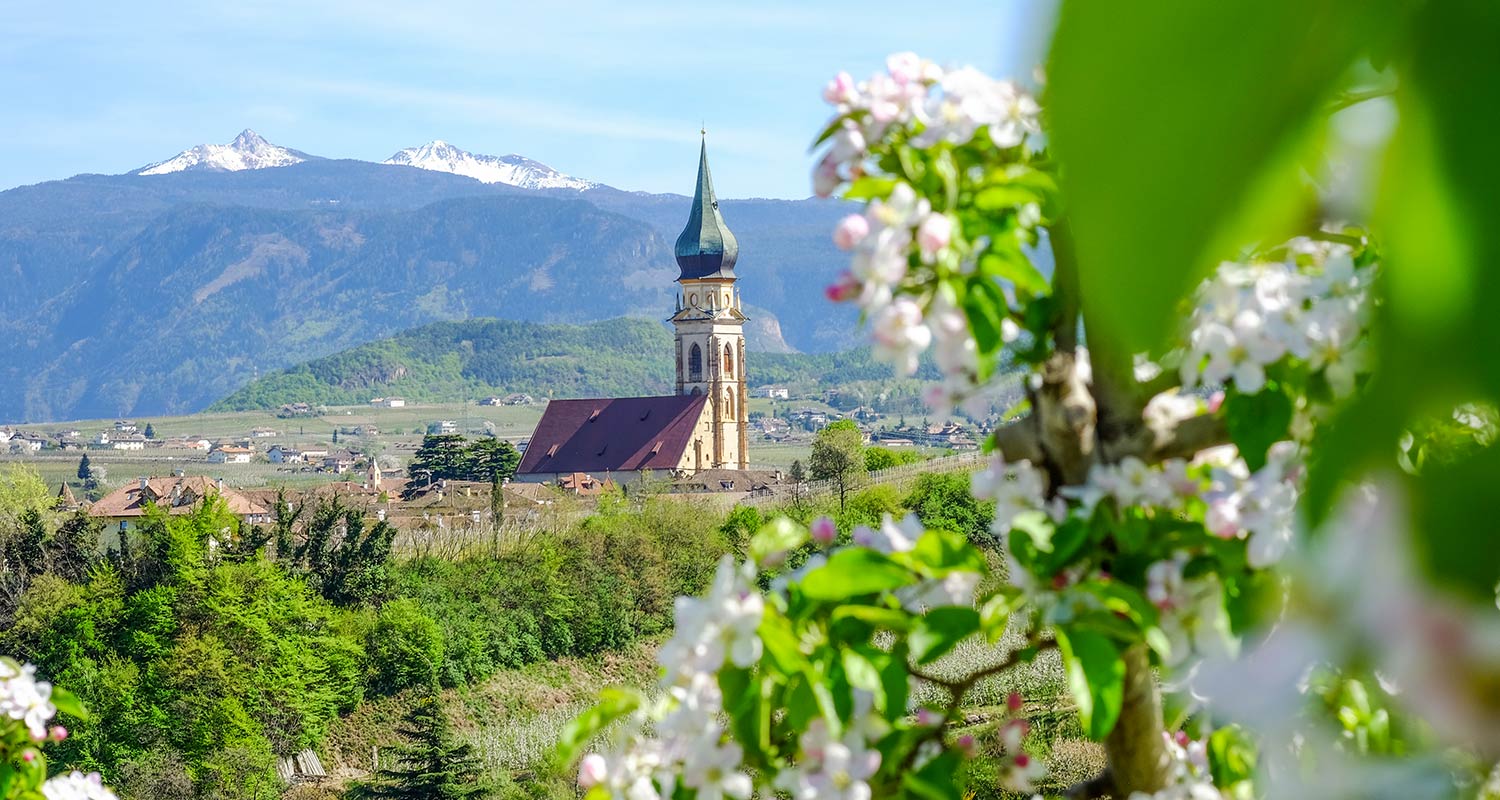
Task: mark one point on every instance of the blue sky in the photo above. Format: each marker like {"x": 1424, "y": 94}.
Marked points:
{"x": 610, "y": 91}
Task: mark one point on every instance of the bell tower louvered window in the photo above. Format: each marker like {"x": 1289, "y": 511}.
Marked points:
{"x": 695, "y": 363}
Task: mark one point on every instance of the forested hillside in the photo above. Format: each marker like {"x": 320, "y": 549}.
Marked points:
{"x": 457, "y": 361}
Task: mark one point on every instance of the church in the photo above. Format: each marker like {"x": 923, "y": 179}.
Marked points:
{"x": 705, "y": 424}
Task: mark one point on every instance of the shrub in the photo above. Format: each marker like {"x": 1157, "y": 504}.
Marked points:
{"x": 405, "y": 648}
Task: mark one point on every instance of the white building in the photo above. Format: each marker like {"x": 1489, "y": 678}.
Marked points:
{"x": 231, "y": 454}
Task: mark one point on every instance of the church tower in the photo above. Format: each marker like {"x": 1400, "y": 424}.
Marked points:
{"x": 710, "y": 328}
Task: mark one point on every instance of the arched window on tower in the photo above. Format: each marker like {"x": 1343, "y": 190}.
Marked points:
{"x": 728, "y": 361}
{"x": 695, "y": 363}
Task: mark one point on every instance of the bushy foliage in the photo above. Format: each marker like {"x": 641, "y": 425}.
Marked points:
{"x": 452, "y": 457}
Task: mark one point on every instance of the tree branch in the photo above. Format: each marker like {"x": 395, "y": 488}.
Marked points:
{"x": 1018, "y": 440}
{"x": 1189, "y": 437}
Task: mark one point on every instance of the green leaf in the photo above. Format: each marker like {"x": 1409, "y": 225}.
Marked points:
{"x": 1037, "y": 526}
{"x": 853, "y": 572}
{"x": 897, "y": 683}
{"x": 869, "y": 187}
{"x": 1231, "y": 756}
{"x": 1011, "y": 264}
{"x": 68, "y": 703}
{"x": 935, "y": 780}
{"x": 1096, "y": 677}
{"x": 940, "y": 630}
{"x": 986, "y": 308}
{"x": 883, "y": 618}
{"x": 776, "y": 537}
{"x": 862, "y": 673}
{"x": 1257, "y": 421}
{"x": 613, "y": 704}
{"x": 941, "y": 552}
{"x": 1199, "y": 126}
{"x": 994, "y": 613}
{"x": 781, "y": 647}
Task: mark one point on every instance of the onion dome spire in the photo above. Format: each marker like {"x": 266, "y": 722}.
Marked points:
{"x": 706, "y": 248}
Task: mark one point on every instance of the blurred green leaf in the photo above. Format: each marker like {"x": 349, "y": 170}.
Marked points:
{"x": 1096, "y": 677}
{"x": 940, "y": 630}
{"x": 869, "y": 187}
{"x": 777, "y": 536}
{"x": 935, "y": 780}
{"x": 68, "y": 703}
{"x": 613, "y": 704}
{"x": 1257, "y": 421}
{"x": 1192, "y": 139}
{"x": 853, "y": 572}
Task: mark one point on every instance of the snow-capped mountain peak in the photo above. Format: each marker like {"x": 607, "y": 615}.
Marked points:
{"x": 439, "y": 156}
{"x": 249, "y": 150}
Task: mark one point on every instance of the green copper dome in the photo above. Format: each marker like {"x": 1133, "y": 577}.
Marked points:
{"x": 706, "y": 248}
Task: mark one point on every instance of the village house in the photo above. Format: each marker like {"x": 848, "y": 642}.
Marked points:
{"x": 443, "y": 426}
{"x": 773, "y": 392}
{"x": 280, "y": 454}
{"x": 262, "y": 433}
{"x": 314, "y": 452}
{"x": 388, "y": 402}
{"x": 584, "y": 485}
{"x": 194, "y": 443}
{"x": 492, "y": 400}
{"x": 174, "y": 495}
{"x": 27, "y": 443}
{"x": 747, "y": 482}
{"x": 289, "y": 410}
{"x": 339, "y": 462}
{"x": 231, "y": 454}
{"x": 125, "y": 426}
{"x": 107, "y": 441}
{"x": 519, "y": 400}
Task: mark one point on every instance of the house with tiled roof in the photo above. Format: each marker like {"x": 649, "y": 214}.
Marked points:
{"x": 174, "y": 495}
{"x": 704, "y": 424}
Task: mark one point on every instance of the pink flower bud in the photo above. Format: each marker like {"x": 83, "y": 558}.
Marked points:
{"x": 824, "y": 531}
{"x": 28, "y": 756}
{"x": 1214, "y": 401}
{"x": 904, "y": 67}
{"x": 966, "y": 745}
{"x": 1015, "y": 702}
{"x": 845, "y": 288}
{"x": 59, "y": 733}
{"x": 591, "y": 770}
{"x": 840, "y": 90}
{"x": 1022, "y": 761}
{"x": 934, "y": 234}
{"x": 928, "y": 718}
{"x": 851, "y": 231}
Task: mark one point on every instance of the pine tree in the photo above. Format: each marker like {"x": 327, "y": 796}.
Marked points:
{"x": 431, "y": 766}
{"x": 335, "y": 435}
{"x": 85, "y": 470}
{"x": 150, "y": 432}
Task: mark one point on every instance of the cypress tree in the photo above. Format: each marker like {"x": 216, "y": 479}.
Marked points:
{"x": 432, "y": 765}
{"x": 85, "y": 470}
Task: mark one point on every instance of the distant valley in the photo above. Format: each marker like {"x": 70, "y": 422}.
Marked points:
{"x": 161, "y": 293}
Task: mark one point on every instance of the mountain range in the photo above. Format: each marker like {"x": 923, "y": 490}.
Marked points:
{"x": 165, "y": 289}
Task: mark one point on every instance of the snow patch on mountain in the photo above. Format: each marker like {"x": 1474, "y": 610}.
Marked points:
{"x": 248, "y": 151}
{"x": 514, "y": 170}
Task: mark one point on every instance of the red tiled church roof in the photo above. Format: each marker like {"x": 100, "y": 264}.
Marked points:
{"x": 621, "y": 434}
